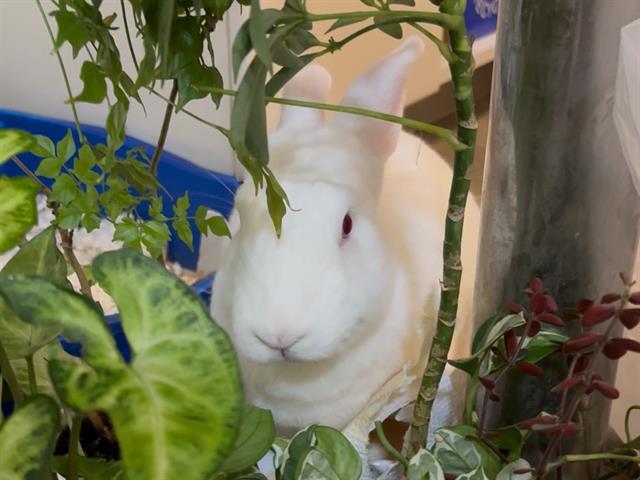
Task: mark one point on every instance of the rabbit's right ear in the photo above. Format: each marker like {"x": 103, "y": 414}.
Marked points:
{"x": 311, "y": 84}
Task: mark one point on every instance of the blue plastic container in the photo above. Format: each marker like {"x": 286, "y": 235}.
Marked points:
{"x": 177, "y": 175}
{"x": 480, "y": 17}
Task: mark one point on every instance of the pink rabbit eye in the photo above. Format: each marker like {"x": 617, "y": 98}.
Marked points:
{"x": 347, "y": 225}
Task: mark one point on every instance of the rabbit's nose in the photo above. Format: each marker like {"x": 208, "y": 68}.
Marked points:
{"x": 281, "y": 343}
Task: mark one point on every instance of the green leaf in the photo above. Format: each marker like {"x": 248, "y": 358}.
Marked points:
{"x": 95, "y": 87}
{"x": 155, "y": 236}
{"x": 343, "y": 459}
{"x": 165, "y": 431}
{"x": 424, "y": 466}
{"x": 215, "y": 224}
{"x": 147, "y": 65}
{"x": 49, "y": 167}
{"x": 240, "y": 48}
{"x": 13, "y": 142}
{"x": 183, "y": 229}
{"x": 343, "y": 22}
{"x": 73, "y": 29}
{"x": 128, "y": 233}
{"x": 91, "y": 468}
{"x": 511, "y": 439}
{"x": 255, "y": 436}
{"x": 64, "y": 190}
{"x": 197, "y": 81}
{"x": 542, "y": 345}
{"x": 285, "y": 57}
{"x": 282, "y": 76}
{"x": 461, "y": 456}
{"x": 39, "y": 257}
{"x": 392, "y": 29}
{"x": 165, "y": 15}
{"x": 275, "y": 203}
{"x": 85, "y": 161}
{"x": 507, "y": 473}
{"x": 27, "y": 440}
{"x": 369, "y": 3}
{"x": 115, "y": 124}
{"x": 299, "y": 41}
{"x": 43, "y": 147}
{"x": 66, "y": 147}
{"x": 298, "y": 446}
{"x": 259, "y": 24}
{"x": 410, "y": 3}
{"x": 18, "y": 211}
{"x": 487, "y": 335}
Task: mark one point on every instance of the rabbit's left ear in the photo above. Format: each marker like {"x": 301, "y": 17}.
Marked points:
{"x": 311, "y": 84}
{"x": 382, "y": 89}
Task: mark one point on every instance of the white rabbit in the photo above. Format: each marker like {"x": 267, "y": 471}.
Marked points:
{"x": 325, "y": 314}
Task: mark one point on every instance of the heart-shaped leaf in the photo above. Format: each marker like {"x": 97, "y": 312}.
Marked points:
{"x": 424, "y": 465}
{"x": 464, "y": 457}
{"x": 92, "y": 468}
{"x": 18, "y": 211}
{"x": 176, "y": 407}
{"x": 39, "y": 257}
{"x": 27, "y": 439}
{"x": 255, "y": 436}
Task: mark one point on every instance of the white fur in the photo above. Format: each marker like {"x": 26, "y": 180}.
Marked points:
{"x": 348, "y": 307}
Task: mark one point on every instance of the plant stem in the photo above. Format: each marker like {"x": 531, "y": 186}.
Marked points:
{"x": 74, "y": 441}
{"x": 33, "y": 383}
{"x": 445, "y": 20}
{"x": 627, "y": 431}
{"x": 447, "y": 135}
{"x": 46, "y": 190}
{"x": 128, "y": 34}
{"x": 501, "y": 374}
{"x": 220, "y": 129}
{"x": 66, "y": 237}
{"x": 64, "y": 73}
{"x": 389, "y": 448}
{"x": 461, "y": 74}
{"x": 592, "y": 457}
{"x": 10, "y": 377}
{"x": 155, "y": 159}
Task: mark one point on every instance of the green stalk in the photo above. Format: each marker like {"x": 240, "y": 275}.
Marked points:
{"x": 74, "y": 442}
{"x": 447, "y": 135}
{"x": 33, "y": 383}
{"x": 627, "y": 416}
{"x": 76, "y": 118}
{"x": 10, "y": 377}
{"x": 389, "y": 448}
{"x": 461, "y": 74}
{"x": 441, "y": 18}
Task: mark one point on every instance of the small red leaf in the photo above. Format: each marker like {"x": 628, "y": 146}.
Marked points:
{"x": 630, "y": 317}
{"x": 610, "y": 298}
{"x": 626, "y": 279}
{"x": 568, "y": 383}
{"x": 493, "y": 397}
{"x": 534, "y": 329}
{"x": 606, "y": 389}
{"x": 551, "y": 319}
{"x": 582, "y": 363}
{"x": 591, "y": 386}
{"x": 598, "y": 313}
{"x": 584, "y": 304}
{"x": 515, "y": 307}
{"x": 613, "y": 350}
{"x": 580, "y": 342}
{"x": 487, "y": 383}
{"x": 529, "y": 369}
{"x": 568, "y": 429}
{"x": 628, "y": 343}
{"x": 635, "y": 298}
{"x": 544, "y": 420}
{"x": 550, "y": 304}
{"x": 537, "y": 303}
{"x": 510, "y": 342}
{"x": 536, "y": 285}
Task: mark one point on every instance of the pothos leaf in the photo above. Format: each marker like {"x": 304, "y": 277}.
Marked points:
{"x": 507, "y": 473}
{"x": 18, "y": 211}
{"x": 423, "y": 465}
{"x": 13, "y": 142}
{"x": 165, "y": 431}
{"x": 27, "y": 439}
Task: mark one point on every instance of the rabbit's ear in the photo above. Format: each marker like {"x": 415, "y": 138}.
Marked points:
{"x": 311, "y": 84}
{"x": 382, "y": 89}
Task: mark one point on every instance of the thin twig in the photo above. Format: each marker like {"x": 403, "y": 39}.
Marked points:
{"x": 76, "y": 118}
{"x": 66, "y": 237}
{"x": 128, "y": 34}
{"x": 46, "y": 190}
{"x": 155, "y": 159}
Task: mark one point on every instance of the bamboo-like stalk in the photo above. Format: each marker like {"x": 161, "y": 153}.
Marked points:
{"x": 461, "y": 74}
